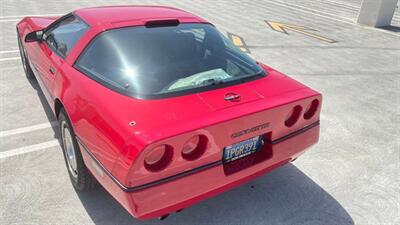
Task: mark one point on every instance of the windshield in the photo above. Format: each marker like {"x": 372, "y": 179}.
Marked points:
{"x": 186, "y": 58}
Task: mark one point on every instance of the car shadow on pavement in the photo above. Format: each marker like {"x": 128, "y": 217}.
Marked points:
{"x": 49, "y": 113}
{"x": 284, "y": 196}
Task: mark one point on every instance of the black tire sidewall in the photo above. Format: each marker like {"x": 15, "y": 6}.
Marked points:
{"x": 79, "y": 181}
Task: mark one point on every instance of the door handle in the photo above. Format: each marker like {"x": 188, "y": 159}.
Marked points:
{"x": 52, "y": 70}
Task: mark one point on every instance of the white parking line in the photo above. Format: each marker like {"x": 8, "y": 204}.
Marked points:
{"x": 27, "y": 129}
{"x": 21, "y": 16}
{"x": 28, "y": 149}
{"x": 10, "y": 20}
{"x": 313, "y": 12}
{"x": 357, "y": 7}
{"x": 9, "y": 59}
{"x": 9, "y": 51}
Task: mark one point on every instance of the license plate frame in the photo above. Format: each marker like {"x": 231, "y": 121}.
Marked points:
{"x": 242, "y": 149}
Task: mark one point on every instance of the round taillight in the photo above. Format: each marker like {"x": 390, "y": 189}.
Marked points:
{"x": 158, "y": 158}
{"x": 293, "y": 116}
{"x": 191, "y": 145}
{"x": 311, "y": 109}
{"x": 194, "y": 147}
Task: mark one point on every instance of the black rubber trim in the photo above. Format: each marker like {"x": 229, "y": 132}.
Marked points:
{"x": 176, "y": 176}
{"x": 123, "y": 187}
{"x": 147, "y": 185}
{"x": 186, "y": 173}
{"x": 297, "y": 132}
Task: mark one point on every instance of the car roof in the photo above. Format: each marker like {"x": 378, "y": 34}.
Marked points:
{"x": 97, "y": 16}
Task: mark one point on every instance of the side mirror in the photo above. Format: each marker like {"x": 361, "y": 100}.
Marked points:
{"x": 34, "y": 36}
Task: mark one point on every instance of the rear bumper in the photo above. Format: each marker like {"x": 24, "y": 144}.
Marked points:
{"x": 180, "y": 192}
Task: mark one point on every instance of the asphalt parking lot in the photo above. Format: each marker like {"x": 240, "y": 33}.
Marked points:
{"x": 352, "y": 176}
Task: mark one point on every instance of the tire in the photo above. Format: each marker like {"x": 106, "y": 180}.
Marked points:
{"x": 80, "y": 176}
{"x": 25, "y": 63}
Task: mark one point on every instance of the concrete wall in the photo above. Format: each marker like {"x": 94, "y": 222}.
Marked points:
{"x": 377, "y": 13}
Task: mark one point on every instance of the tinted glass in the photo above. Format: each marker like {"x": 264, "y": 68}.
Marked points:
{"x": 143, "y": 61}
{"x": 65, "y": 34}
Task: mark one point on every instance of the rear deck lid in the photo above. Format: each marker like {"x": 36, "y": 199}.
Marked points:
{"x": 228, "y": 97}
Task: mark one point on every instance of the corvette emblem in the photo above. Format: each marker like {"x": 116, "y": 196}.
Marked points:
{"x": 232, "y": 97}
{"x": 250, "y": 130}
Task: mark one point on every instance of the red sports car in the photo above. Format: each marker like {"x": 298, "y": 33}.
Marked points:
{"x": 157, "y": 106}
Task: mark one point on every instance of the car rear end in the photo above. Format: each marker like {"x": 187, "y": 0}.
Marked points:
{"x": 176, "y": 172}
{"x": 223, "y": 121}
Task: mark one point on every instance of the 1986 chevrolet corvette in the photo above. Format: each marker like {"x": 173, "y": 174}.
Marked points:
{"x": 157, "y": 106}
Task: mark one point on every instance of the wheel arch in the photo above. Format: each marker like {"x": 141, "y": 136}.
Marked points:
{"x": 58, "y": 105}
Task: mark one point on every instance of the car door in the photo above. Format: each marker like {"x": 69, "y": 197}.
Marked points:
{"x": 58, "y": 41}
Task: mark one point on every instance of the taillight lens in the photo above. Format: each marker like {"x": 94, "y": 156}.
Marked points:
{"x": 311, "y": 109}
{"x": 158, "y": 158}
{"x": 293, "y": 116}
{"x": 194, "y": 147}
{"x": 191, "y": 145}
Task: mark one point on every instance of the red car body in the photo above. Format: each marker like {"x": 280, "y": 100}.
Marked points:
{"x": 115, "y": 131}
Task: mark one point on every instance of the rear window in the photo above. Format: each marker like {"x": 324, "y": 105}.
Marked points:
{"x": 165, "y": 61}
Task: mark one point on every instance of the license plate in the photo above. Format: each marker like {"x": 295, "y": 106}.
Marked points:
{"x": 242, "y": 149}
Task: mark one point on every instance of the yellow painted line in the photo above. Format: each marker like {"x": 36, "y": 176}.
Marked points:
{"x": 276, "y": 26}
{"x": 283, "y": 27}
{"x": 238, "y": 42}
{"x": 321, "y": 38}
